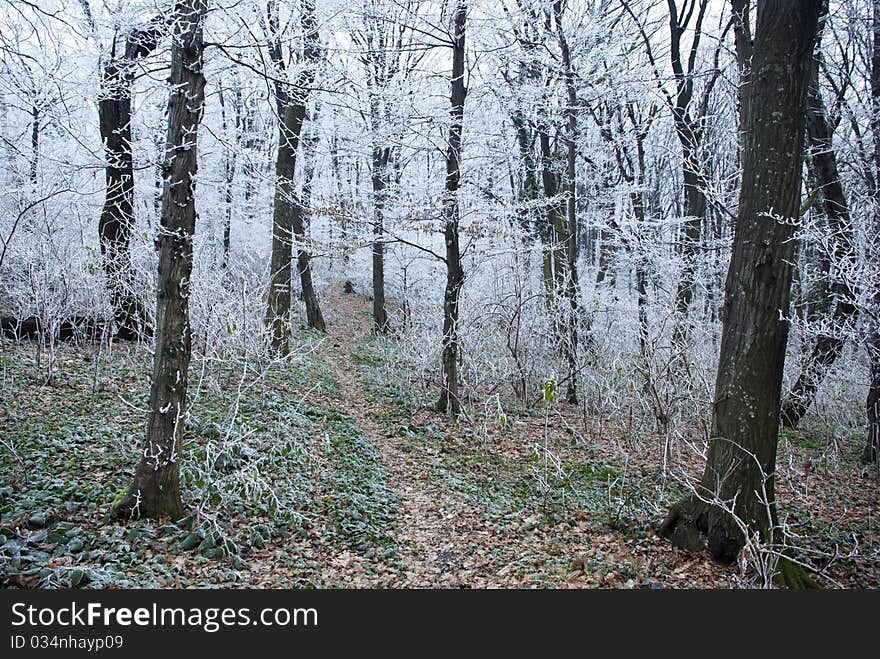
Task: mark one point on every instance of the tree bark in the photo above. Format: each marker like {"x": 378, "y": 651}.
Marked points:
{"x": 688, "y": 128}
{"x": 35, "y": 143}
{"x": 155, "y": 491}
{"x": 695, "y": 210}
{"x": 742, "y": 37}
{"x": 741, "y": 462}
{"x": 638, "y": 203}
{"x": 553, "y": 234}
{"x": 117, "y": 217}
{"x": 314, "y": 317}
{"x": 450, "y": 400}
{"x": 292, "y": 108}
{"x": 872, "y": 403}
{"x": 379, "y": 181}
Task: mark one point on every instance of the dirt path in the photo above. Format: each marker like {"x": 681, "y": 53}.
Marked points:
{"x": 436, "y": 531}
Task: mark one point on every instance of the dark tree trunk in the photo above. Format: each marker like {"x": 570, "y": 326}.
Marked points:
{"x": 694, "y": 210}
{"x": 688, "y": 118}
{"x": 278, "y": 311}
{"x": 641, "y": 278}
{"x": 827, "y": 346}
{"x": 872, "y": 404}
{"x": 450, "y": 400}
{"x": 250, "y": 167}
{"x": 529, "y": 190}
{"x": 638, "y": 204}
{"x": 314, "y": 318}
{"x": 292, "y": 109}
{"x": 117, "y": 217}
{"x": 742, "y": 36}
{"x": 35, "y": 143}
{"x": 383, "y": 50}
{"x": 379, "y": 180}
{"x": 742, "y": 452}
{"x": 155, "y": 491}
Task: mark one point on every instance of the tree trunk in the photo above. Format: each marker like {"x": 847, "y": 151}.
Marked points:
{"x": 738, "y": 482}
{"x": 638, "y": 203}
{"x": 117, "y": 217}
{"x": 278, "y": 311}
{"x": 341, "y": 197}
{"x": 450, "y": 400}
{"x": 688, "y": 118}
{"x": 314, "y": 318}
{"x": 155, "y": 491}
{"x": 250, "y": 167}
{"x": 529, "y": 190}
{"x": 827, "y": 347}
{"x": 641, "y": 277}
{"x": 694, "y": 210}
{"x": 554, "y": 237}
{"x": 289, "y": 131}
{"x": 872, "y": 404}
{"x": 379, "y": 180}
{"x": 35, "y": 143}
{"x": 742, "y": 36}
{"x": 872, "y": 447}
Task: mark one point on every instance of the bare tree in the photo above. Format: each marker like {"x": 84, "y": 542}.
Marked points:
{"x": 745, "y": 423}
{"x": 117, "y": 217}
{"x": 872, "y": 403}
{"x": 291, "y": 100}
{"x": 300, "y": 223}
{"x": 388, "y": 54}
{"x": 450, "y": 400}
{"x": 828, "y": 345}
{"x": 155, "y": 491}
{"x": 690, "y": 113}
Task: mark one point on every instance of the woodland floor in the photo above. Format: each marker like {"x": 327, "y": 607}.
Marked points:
{"x": 326, "y": 472}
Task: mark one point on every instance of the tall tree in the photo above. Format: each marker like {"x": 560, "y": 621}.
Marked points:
{"x": 872, "y": 403}
{"x": 300, "y": 223}
{"x": 385, "y": 37}
{"x": 690, "y": 114}
{"x": 690, "y": 118}
{"x": 572, "y": 285}
{"x": 450, "y": 400}
{"x": 738, "y": 482}
{"x": 155, "y": 491}
{"x": 117, "y": 217}
{"x": 828, "y": 344}
{"x": 291, "y": 100}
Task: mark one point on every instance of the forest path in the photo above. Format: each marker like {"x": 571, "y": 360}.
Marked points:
{"x": 442, "y": 539}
